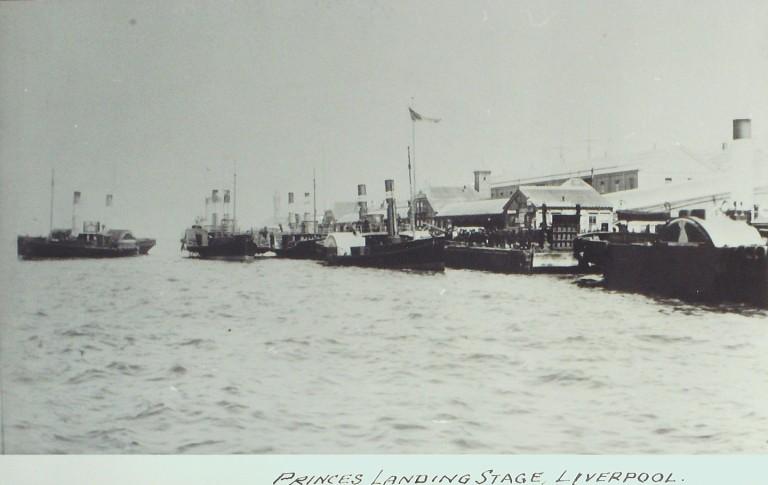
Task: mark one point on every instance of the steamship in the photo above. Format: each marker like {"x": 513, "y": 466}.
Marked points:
{"x": 94, "y": 241}
{"x": 302, "y": 241}
{"x": 385, "y": 250}
{"x": 219, "y": 239}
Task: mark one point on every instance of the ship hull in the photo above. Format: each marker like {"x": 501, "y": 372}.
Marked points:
{"x": 306, "y": 249}
{"x": 421, "y": 254}
{"x": 145, "y": 245}
{"x": 691, "y": 273}
{"x": 236, "y": 247}
{"x": 41, "y": 248}
{"x": 497, "y": 260}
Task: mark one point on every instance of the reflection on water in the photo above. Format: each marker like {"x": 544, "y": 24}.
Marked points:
{"x": 161, "y": 354}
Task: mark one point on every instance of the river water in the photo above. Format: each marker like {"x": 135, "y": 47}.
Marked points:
{"x": 162, "y": 354}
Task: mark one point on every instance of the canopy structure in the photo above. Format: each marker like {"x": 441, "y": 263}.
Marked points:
{"x": 720, "y": 232}
{"x": 476, "y": 213}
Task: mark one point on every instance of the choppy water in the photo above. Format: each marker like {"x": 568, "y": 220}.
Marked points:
{"x": 161, "y": 354}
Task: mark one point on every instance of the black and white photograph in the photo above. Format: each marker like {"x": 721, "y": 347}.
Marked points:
{"x": 311, "y": 227}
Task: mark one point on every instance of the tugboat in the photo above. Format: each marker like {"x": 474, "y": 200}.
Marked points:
{"x": 92, "y": 242}
{"x": 386, "y": 250}
{"x": 220, "y": 239}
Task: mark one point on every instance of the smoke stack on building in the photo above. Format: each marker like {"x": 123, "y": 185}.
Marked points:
{"x": 483, "y": 182}
{"x": 362, "y": 203}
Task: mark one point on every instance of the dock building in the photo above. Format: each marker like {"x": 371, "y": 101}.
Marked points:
{"x": 564, "y": 211}
{"x": 650, "y": 169}
{"x": 432, "y": 200}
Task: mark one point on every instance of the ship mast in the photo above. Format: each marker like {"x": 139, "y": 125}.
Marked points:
{"x": 314, "y": 202}
{"x": 50, "y": 214}
{"x": 234, "y": 204}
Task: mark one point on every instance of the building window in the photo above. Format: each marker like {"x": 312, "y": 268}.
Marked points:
{"x": 632, "y": 183}
{"x": 592, "y": 220}
{"x": 668, "y": 180}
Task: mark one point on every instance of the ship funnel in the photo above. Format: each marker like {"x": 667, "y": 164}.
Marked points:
{"x": 389, "y": 188}
{"x": 742, "y": 129}
{"x": 307, "y": 204}
{"x": 742, "y": 169}
{"x": 290, "y": 209}
{"x": 362, "y": 203}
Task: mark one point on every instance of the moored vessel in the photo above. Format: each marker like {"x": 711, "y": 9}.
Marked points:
{"x": 220, "y": 239}
{"x": 386, "y": 250}
{"x": 92, "y": 242}
{"x": 712, "y": 260}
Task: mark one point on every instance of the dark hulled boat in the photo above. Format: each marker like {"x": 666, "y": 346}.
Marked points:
{"x": 301, "y": 246}
{"x": 386, "y": 250}
{"x": 381, "y": 251}
{"x": 497, "y": 260}
{"x": 221, "y": 239}
{"x": 694, "y": 259}
{"x": 218, "y": 243}
{"x": 145, "y": 244}
{"x": 91, "y": 243}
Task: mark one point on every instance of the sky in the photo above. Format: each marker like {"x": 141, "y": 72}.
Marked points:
{"x": 158, "y": 102}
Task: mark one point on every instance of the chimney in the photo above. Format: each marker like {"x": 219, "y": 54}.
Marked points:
{"x": 362, "y": 203}
{"x": 290, "y": 209}
{"x": 276, "y": 205}
{"x": 742, "y": 129}
{"x": 307, "y": 205}
{"x": 482, "y": 182}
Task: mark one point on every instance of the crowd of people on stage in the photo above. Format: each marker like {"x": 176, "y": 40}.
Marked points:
{"x": 500, "y": 238}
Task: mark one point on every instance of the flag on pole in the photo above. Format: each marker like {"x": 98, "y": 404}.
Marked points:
{"x": 417, "y": 117}
{"x": 76, "y": 198}
{"x": 109, "y": 200}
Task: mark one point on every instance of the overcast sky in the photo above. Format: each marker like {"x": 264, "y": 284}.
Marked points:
{"x": 156, "y": 101}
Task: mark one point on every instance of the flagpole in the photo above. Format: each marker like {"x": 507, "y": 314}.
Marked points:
{"x": 74, "y": 204}
{"x": 415, "y": 182}
{"x": 413, "y": 202}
